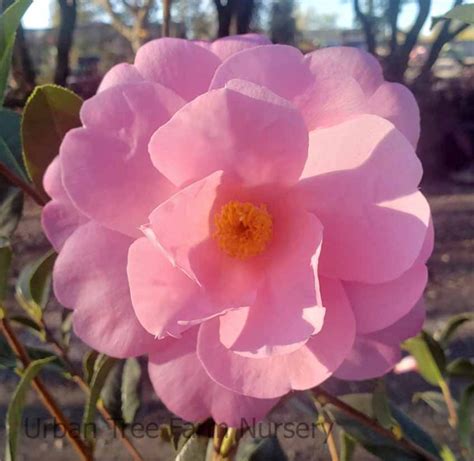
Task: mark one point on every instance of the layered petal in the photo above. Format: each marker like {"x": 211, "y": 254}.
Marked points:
{"x": 288, "y": 308}
{"x": 59, "y": 217}
{"x": 90, "y": 276}
{"x": 279, "y": 68}
{"x": 183, "y": 227}
{"x": 377, "y": 306}
{"x": 174, "y": 365}
{"x": 107, "y": 171}
{"x": 120, "y": 74}
{"x": 375, "y": 354}
{"x": 259, "y": 138}
{"x": 397, "y": 104}
{"x": 271, "y": 377}
{"x": 364, "y": 189}
{"x": 165, "y": 299}
{"x": 227, "y": 46}
{"x": 181, "y": 65}
{"x": 349, "y": 61}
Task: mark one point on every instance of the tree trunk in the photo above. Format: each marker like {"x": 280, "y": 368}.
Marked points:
{"x": 367, "y": 27}
{"x": 22, "y": 68}
{"x": 166, "y": 18}
{"x": 68, "y": 12}
{"x": 224, "y": 16}
{"x": 245, "y": 10}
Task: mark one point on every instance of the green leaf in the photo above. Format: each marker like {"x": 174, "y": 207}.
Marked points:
{"x": 11, "y": 208}
{"x": 50, "y": 112}
{"x": 34, "y": 285}
{"x": 9, "y": 22}
{"x": 5, "y": 261}
{"x": 15, "y": 408}
{"x": 7, "y": 356}
{"x": 465, "y": 411}
{"x": 427, "y": 356}
{"x": 348, "y": 446}
{"x": 120, "y": 393}
{"x": 464, "y": 13}
{"x": 461, "y": 368}
{"x": 265, "y": 449}
{"x": 30, "y": 324}
{"x": 383, "y": 447}
{"x": 130, "y": 389}
{"x": 381, "y": 408}
{"x": 88, "y": 363}
{"x": 10, "y": 143}
{"x": 102, "y": 368}
{"x": 194, "y": 449}
{"x": 434, "y": 400}
{"x": 445, "y": 335}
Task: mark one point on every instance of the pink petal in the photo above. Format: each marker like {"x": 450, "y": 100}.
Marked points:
{"x": 227, "y": 46}
{"x": 375, "y": 354}
{"x": 428, "y": 245}
{"x": 183, "y": 228}
{"x": 106, "y": 167}
{"x": 181, "y": 65}
{"x": 90, "y": 275}
{"x": 279, "y": 68}
{"x": 379, "y": 306}
{"x": 288, "y": 308}
{"x": 175, "y": 365}
{"x": 364, "y": 189}
{"x": 162, "y": 295}
{"x": 59, "y": 217}
{"x": 274, "y": 376}
{"x": 259, "y": 139}
{"x": 119, "y": 75}
{"x": 348, "y": 61}
{"x": 397, "y": 104}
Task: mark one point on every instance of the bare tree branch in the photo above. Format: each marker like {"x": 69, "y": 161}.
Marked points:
{"x": 367, "y": 27}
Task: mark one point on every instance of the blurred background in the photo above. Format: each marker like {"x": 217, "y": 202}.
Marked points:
{"x": 74, "y": 42}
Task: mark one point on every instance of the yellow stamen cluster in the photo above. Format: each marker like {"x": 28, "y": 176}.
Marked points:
{"x": 243, "y": 229}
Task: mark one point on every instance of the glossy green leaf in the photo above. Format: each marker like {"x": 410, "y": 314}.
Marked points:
{"x": 30, "y": 324}
{"x": 348, "y": 446}
{"x": 383, "y": 447}
{"x": 427, "y": 357}
{"x": 465, "y": 412}
{"x": 11, "y": 208}
{"x": 464, "y": 13}
{"x": 445, "y": 335}
{"x": 10, "y": 143}
{"x": 9, "y": 22}
{"x": 102, "y": 368}
{"x": 34, "y": 285}
{"x": 15, "y": 408}
{"x": 5, "y": 262}
{"x": 50, "y": 112}
{"x": 264, "y": 449}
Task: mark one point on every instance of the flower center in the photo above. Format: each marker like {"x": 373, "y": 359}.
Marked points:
{"x": 243, "y": 229}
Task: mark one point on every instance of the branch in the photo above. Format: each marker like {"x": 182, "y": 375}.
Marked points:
{"x": 43, "y": 393}
{"x": 393, "y": 11}
{"x": 412, "y": 36}
{"x": 367, "y": 27}
{"x": 23, "y": 185}
{"x": 324, "y": 398}
{"x": 117, "y": 22}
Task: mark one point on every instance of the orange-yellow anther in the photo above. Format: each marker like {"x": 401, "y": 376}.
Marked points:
{"x": 243, "y": 229}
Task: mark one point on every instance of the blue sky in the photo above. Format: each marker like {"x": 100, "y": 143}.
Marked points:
{"x": 38, "y": 14}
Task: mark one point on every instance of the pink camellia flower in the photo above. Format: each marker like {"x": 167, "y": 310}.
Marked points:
{"x": 246, "y": 216}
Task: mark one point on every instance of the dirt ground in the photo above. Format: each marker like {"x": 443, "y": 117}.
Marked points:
{"x": 450, "y": 291}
